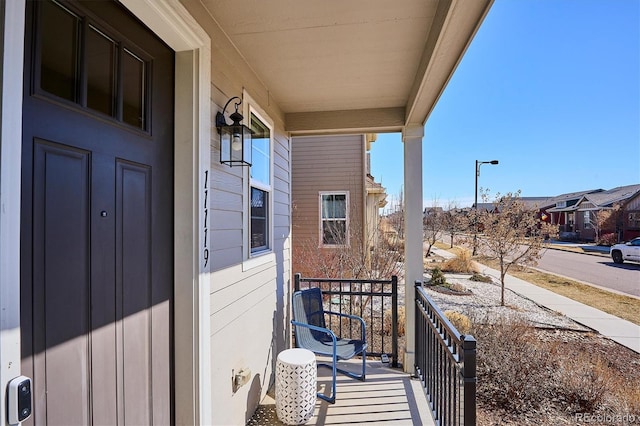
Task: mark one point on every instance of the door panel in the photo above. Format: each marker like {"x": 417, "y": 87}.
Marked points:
{"x": 134, "y": 284}
{"x": 97, "y": 225}
{"x": 61, "y": 270}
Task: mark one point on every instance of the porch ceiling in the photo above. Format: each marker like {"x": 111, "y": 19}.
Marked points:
{"x": 357, "y": 65}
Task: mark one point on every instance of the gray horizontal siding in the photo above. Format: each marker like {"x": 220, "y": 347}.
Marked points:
{"x": 247, "y": 306}
{"x": 226, "y": 210}
{"x": 227, "y": 204}
{"x": 226, "y": 220}
{"x": 235, "y": 300}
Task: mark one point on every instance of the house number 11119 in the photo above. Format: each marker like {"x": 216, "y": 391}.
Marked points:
{"x": 205, "y": 251}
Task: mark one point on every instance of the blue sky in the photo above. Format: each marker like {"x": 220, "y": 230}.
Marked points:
{"x": 551, "y": 89}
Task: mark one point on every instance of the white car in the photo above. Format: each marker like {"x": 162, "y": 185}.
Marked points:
{"x": 626, "y": 251}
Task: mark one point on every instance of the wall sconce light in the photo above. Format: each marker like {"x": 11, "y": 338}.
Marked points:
{"x": 235, "y": 138}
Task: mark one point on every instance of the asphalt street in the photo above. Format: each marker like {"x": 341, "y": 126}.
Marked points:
{"x": 593, "y": 269}
{"x": 598, "y": 270}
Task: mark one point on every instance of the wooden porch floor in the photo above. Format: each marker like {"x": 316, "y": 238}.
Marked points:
{"x": 388, "y": 397}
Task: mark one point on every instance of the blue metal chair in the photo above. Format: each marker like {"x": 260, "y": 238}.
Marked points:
{"x": 312, "y": 333}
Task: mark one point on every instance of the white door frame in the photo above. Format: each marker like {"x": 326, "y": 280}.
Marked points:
{"x": 192, "y": 373}
{"x": 10, "y": 177}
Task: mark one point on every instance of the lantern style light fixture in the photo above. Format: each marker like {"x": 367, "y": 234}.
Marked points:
{"x": 235, "y": 138}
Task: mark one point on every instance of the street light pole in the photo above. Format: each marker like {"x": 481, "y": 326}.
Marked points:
{"x": 475, "y": 219}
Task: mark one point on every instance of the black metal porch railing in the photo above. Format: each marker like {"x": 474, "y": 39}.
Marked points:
{"x": 376, "y": 301}
{"x": 445, "y": 363}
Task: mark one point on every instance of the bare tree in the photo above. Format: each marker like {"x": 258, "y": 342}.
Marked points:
{"x": 454, "y": 221}
{"x": 432, "y": 225}
{"x": 355, "y": 254}
{"x": 513, "y": 235}
{"x": 603, "y": 220}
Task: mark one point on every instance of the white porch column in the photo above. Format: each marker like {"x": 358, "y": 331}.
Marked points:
{"x": 412, "y": 138}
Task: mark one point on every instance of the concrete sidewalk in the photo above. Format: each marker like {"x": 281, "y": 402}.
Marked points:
{"x": 624, "y": 332}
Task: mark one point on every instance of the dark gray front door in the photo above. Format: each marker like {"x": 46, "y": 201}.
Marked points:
{"x": 97, "y": 221}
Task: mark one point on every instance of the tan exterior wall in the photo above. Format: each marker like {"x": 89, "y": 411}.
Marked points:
{"x": 372, "y": 219}
{"x": 324, "y": 164}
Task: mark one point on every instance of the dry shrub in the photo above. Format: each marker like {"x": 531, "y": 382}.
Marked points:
{"x": 395, "y": 244}
{"x": 523, "y": 370}
{"x": 510, "y": 367}
{"x": 480, "y": 278}
{"x": 346, "y": 328}
{"x": 387, "y": 321}
{"x": 401, "y": 320}
{"x": 584, "y": 383}
{"x": 457, "y": 287}
{"x": 607, "y": 240}
{"x": 631, "y": 400}
{"x": 461, "y": 322}
{"x": 462, "y": 263}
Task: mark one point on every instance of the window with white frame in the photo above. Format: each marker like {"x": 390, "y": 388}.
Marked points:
{"x": 334, "y": 218}
{"x": 587, "y": 220}
{"x": 261, "y": 187}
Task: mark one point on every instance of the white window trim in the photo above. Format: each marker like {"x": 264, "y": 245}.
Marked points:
{"x": 251, "y": 107}
{"x": 320, "y": 221}
{"x": 587, "y": 220}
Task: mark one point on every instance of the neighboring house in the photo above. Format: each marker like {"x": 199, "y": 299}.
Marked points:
{"x": 590, "y": 205}
{"x": 576, "y": 213}
{"x": 531, "y": 203}
{"x": 484, "y": 207}
{"x": 428, "y": 211}
{"x": 534, "y": 204}
{"x": 335, "y": 201}
{"x": 375, "y": 200}
{"x": 140, "y": 275}
{"x": 561, "y": 211}
{"x": 537, "y": 204}
{"x": 628, "y": 223}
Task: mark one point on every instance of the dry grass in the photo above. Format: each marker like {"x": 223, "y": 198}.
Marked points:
{"x": 624, "y": 307}
{"x": 461, "y": 322}
{"x": 441, "y": 245}
{"x": 566, "y": 248}
{"x": 462, "y": 263}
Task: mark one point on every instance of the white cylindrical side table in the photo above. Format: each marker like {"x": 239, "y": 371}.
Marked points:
{"x": 296, "y": 376}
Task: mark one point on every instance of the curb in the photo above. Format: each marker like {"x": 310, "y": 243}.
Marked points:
{"x": 591, "y": 253}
